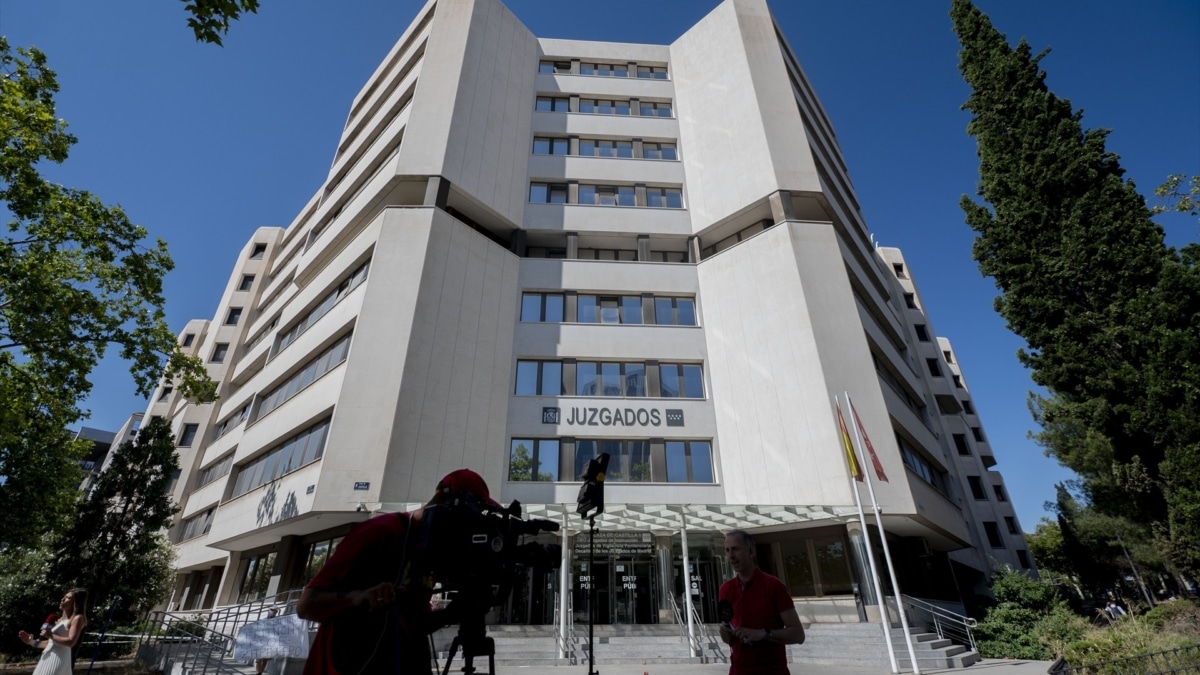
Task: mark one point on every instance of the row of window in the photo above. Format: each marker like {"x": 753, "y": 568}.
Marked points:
{"x": 594, "y": 147}
{"x": 232, "y": 421}
{"x": 604, "y": 106}
{"x": 600, "y": 69}
{"x": 614, "y": 309}
{"x": 599, "y": 378}
{"x": 606, "y": 195}
{"x": 313, "y": 370}
{"x": 297, "y": 451}
{"x": 921, "y": 466}
{"x": 342, "y": 290}
{"x": 630, "y": 461}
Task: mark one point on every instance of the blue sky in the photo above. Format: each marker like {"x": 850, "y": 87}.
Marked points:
{"x": 201, "y": 144}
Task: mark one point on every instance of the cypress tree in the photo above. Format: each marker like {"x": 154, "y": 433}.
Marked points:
{"x": 1109, "y": 313}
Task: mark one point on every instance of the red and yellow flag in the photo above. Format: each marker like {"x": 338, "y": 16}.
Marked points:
{"x": 851, "y": 458}
{"x": 867, "y": 442}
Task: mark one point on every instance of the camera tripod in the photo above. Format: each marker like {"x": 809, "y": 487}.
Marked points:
{"x": 473, "y": 640}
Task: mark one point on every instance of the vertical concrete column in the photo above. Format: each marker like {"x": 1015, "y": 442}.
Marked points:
{"x": 862, "y": 566}
{"x": 574, "y": 103}
{"x": 437, "y": 191}
{"x": 639, "y": 194}
{"x": 285, "y": 552}
{"x": 781, "y": 206}
{"x": 635, "y": 107}
{"x": 564, "y": 588}
{"x": 573, "y": 245}
{"x": 573, "y": 193}
{"x": 643, "y": 244}
{"x": 574, "y": 66}
{"x": 573, "y": 146}
{"x": 666, "y": 577}
{"x": 227, "y": 589}
{"x": 687, "y": 587}
{"x": 693, "y": 249}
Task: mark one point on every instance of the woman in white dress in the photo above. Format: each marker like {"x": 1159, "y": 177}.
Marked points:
{"x": 62, "y": 637}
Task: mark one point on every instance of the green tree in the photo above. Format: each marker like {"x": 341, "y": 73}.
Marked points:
{"x": 76, "y": 277}
{"x": 1028, "y": 621}
{"x": 1109, "y": 313}
{"x": 211, "y": 18}
{"x": 115, "y": 546}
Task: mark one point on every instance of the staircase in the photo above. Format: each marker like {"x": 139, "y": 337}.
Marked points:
{"x": 861, "y": 645}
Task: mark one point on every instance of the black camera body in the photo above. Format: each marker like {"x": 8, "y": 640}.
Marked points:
{"x": 475, "y": 549}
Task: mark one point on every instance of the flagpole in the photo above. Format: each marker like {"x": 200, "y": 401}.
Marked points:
{"x": 887, "y": 556}
{"x": 874, "y": 572}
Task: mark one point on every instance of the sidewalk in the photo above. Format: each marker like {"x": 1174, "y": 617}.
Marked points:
{"x": 984, "y": 667}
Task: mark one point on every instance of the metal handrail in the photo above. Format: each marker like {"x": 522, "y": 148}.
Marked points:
{"x": 187, "y": 643}
{"x": 679, "y": 620}
{"x": 947, "y": 624}
{"x": 703, "y": 639}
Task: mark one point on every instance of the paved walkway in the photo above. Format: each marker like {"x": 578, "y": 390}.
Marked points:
{"x": 984, "y": 667}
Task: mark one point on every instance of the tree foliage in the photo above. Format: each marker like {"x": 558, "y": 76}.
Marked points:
{"x": 116, "y": 546}
{"x": 1029, "y": 620}
{"x": 76, "y": 277}
{"x": 211, "y": 18}
{"x": 1109, "y": 313}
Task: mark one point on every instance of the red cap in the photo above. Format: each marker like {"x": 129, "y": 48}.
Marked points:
{"x": 465, "y": 481}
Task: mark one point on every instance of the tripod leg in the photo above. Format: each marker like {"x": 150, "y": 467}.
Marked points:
{"x": 454, "y": 645}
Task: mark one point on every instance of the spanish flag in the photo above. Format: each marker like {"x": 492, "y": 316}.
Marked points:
{"x": 851, "y": 458}
{"x": 867, "y": 442}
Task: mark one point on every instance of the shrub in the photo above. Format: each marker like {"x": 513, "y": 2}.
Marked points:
{"x": 1029, "y": 620}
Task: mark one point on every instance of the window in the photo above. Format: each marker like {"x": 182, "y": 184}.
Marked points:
{"x": 960, "y": 442}
{"x": 214, "y": 472}
{"x": 607, "y": 195}
{"x": 533, "y": 459}
{"x": 603, "y": 106}
{"x": 651, "y": 109}
{"x": 608, "y": 309}
{"x": 913, "y": 460}
{"x": 935, "y": 370}
{"x": 232, "y": 421}
{"x": 977, "y": 433}
{"x": 674, "y": 311}
{"x": 1011, "y": 523}
{"x": 257, "y": 252}
{"x": 948, "y": 356}
{"x": 166, "y": 393}
{"x": 540, "y": 378}
{"x": 247, "y": 282}
{"x": 968, "y": 407}
{"x": 311, "y": 372}
{"x": 993, "y": 534}
{"x": 671, "y": 198}
{"x": 318, "y": 553}
{"x": 556, "y": 67}
{"x": 1023, "y": 558}
{"x": 550, "y": 146}
{"x": 604, "y": 69}
{"x": 689, "y": 462}
{"x": 659, "y": 151}
{"x": 188, "y": 339}
{"x": 817, "y": 566}
{"x": 548, "y": 193}
{"x": 332, "y": 298}
{"x": 219, "y": 352}
{"x": 591, "y": 147}
{"x": 552, "y": 104}
{"x": 910, "y": 301}
{"x": 681, "y": 380}
{"x": 922, "y": 332}
{"x": 652, "y": 72}
{"x": 255, "y": 576}
{"x": 542, "y": 307}
{"x": 999, "y": 490}
{"x": 957, "y": 381}
{"x": 898, "y": 268}
{"x": 235, "y": 314}
{"x": 197, "y": 526}
{"x": 977, "y": 488}
{"x": 188, "y": 435}
{"x": 297, "y": 451}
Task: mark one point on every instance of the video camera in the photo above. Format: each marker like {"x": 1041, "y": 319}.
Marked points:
{"x": 475, "y": 548}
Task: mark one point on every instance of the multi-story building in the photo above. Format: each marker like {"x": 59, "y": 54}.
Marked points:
{"x": 529, "y": 251}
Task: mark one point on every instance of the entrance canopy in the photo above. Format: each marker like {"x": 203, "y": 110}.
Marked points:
{"x": 668, "y": 518}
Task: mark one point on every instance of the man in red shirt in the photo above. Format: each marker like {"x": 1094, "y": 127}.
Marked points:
{"x": 374, "y": 610}
{"x": 764, "y": 617}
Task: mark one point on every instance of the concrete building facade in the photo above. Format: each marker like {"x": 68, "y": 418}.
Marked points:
{"x": 529, "y": 251}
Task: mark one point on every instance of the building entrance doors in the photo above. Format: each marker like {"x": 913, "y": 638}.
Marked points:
{"x": 704, "y": 585}
{"x": 635, "y": 596}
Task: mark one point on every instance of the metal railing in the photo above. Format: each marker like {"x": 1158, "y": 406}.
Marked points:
{"x": 565, "y": 643}
{"x": 705, "y": 641}
{"x": 202, "y": 640}
{"x": 1171, "y": 662}
{"x": 948, "y": 625}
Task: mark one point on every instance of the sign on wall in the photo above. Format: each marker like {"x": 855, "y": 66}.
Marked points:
{"x": 578, "y": 416}
{"x": 616, "y": 543}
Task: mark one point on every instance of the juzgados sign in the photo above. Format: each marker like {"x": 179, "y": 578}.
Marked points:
{"x": 614, "y": 417}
